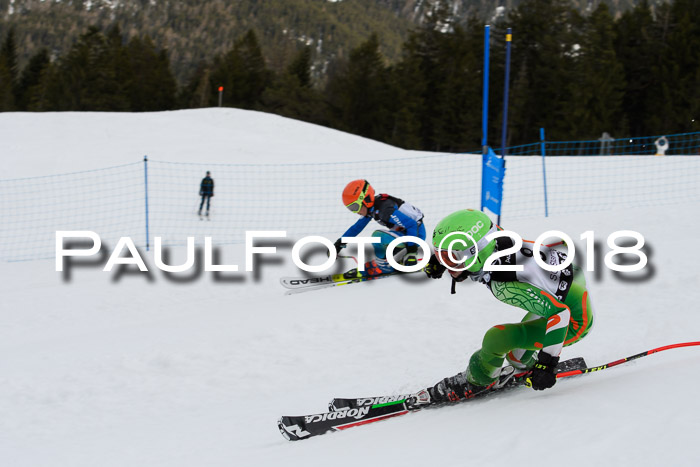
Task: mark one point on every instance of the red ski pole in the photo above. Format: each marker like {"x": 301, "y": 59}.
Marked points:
{"x": 624, "y": 360}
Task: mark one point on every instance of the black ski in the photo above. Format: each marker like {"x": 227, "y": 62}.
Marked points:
{"x": 348, "y": 413}
{"x": 307, "y": 426}
{"x": 339, "y": 403}
{"x": 303, "y": 427}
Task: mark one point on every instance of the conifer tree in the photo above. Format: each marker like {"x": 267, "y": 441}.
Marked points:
{"x": 458, "y": 122}
{"x": 680, "y": 64}
{"x": 407, "y": 91}
{"x": 637, "y": 47}
{"x": 31, "y": 78}
{"x": 8, "y": 72}
{"x": 243, "y": 73}
{"x": 599, "y": 84}
{"x": 446, "y": 64}
{"x": 358, "y": 92}
{"x": 301, "y": 67}
{"x": 151, "y": 85}
{"x": 41, "y": 97}
{"x": 88, "y": 79}
{"x": 422, "y": 53}
{"x": 542, "y": 68}
{"x": 7, "y": 98}
{"x": 292, "y": 95}
{"x": 196, "y": 93}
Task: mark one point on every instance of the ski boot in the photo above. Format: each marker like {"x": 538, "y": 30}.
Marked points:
{"x": 456, "y": 388}
{"x": 411, "y": 257}
{"x": 376, "y": 267}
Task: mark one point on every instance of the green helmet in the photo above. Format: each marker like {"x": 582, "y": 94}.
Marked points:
{"x": 460, "y": 240}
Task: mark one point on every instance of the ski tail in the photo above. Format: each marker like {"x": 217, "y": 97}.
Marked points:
{"x": 303, "y": 282}
{"x": 307, "y": 284}
{"x": 295, "y": 428}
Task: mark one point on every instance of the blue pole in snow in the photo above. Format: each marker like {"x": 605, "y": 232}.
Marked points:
{"x": 544, "y": 173}
{"x": 145, "y": 175}
{"x": 484, "y": 110}
{"x": 509, "y": 36}
{"x": 485, "y": 102}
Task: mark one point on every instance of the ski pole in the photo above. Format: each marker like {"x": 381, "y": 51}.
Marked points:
{"x": 565, "y": 374}
{"x": 348, "y": 257}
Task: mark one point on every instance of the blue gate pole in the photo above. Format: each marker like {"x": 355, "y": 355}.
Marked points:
{"x": 145, "y": 176}
{"x": 504, "y": 129}
{"x": 544, "y": 172}
{"x": 484, "y": 110}
{"x": 485, "y": 102}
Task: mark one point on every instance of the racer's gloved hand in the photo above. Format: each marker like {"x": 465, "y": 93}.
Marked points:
{"x": 434, "y": 268}
{"x": 339, "y": 245}
{"x": 543, "y": 376}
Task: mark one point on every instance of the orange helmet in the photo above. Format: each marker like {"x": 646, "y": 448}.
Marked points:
{"x": 357, "y": 193}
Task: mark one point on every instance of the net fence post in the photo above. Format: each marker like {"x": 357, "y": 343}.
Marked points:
{"x": 544, "y": 172}
{"x": 145, "y": 187}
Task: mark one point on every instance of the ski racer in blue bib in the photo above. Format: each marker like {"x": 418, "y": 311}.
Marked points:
{"x": 399, "y": 217}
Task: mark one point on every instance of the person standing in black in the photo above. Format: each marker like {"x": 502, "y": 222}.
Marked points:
{"x": 206, "y": 191}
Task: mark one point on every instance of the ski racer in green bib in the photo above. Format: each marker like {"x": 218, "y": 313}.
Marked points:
{"x": 557, "y": 306}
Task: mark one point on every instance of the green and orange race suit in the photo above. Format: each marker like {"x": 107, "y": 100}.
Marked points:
{"x": 558, "y": 307}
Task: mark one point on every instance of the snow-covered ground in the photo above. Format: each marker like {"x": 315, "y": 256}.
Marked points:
{"x": 150, "y": 370}
{"x": 49, "y": 143}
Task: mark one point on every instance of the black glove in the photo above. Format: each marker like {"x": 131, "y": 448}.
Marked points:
{"x": 339, "y": 245}
{"x": 411, "y": 258}
{"x": 462, "y": 276}
{"x": 434, "y": 268}
{"x": 543, "y": 376}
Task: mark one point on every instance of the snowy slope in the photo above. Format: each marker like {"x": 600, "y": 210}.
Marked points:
{"x": 143, "y": 370}
{"x": 49, "y": 143}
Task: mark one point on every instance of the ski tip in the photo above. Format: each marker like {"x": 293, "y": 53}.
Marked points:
{"x": 291, "y": 432}
{"x": 283, "y": 430}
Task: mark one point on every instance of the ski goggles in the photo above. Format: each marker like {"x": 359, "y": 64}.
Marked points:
{"x": 453, "y": 258}
{"x": 356, "y": 205}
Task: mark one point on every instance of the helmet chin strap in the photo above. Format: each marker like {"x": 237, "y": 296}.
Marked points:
{"x": 478, "y": 276}
{"x": 460, "y": 277}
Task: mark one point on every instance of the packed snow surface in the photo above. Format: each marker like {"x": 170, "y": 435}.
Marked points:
{"x": 150, "y": 369}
